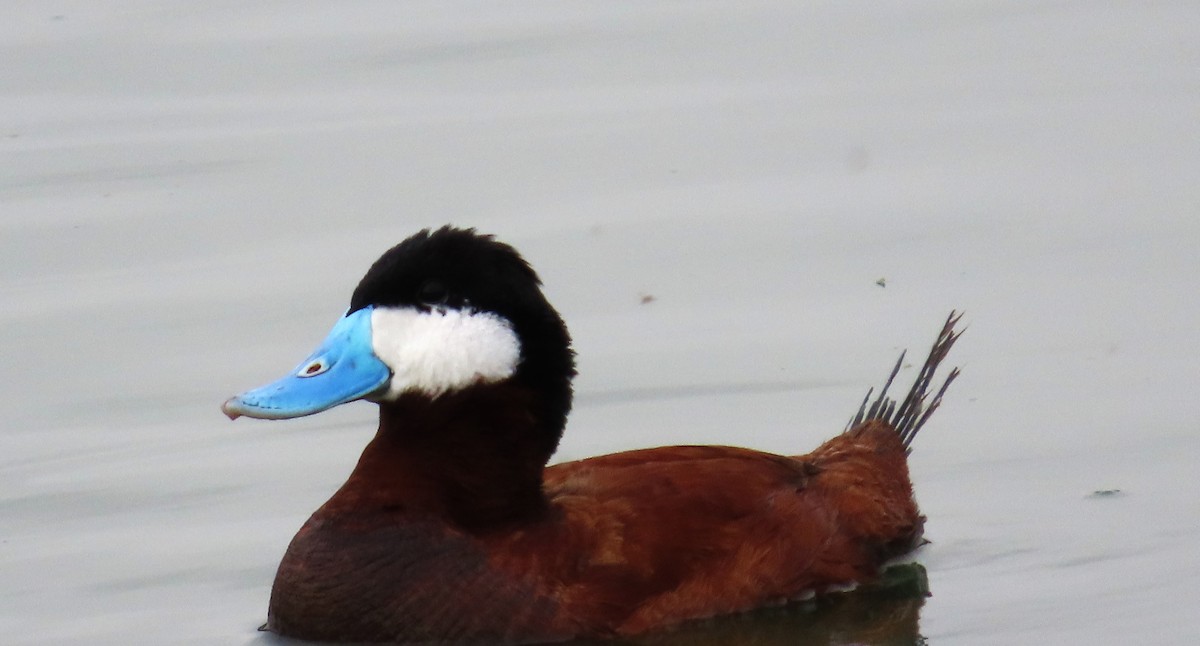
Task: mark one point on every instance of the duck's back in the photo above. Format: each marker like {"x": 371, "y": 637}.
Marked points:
{"x": 658, "y": 536}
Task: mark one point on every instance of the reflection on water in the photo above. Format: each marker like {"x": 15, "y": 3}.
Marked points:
{"x": 883, "y": 614}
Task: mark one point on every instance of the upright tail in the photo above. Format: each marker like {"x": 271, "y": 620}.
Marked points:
{"x": 913, "y": 411}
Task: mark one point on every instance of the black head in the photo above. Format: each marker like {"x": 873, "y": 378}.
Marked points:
{"x": 451, "y": 269}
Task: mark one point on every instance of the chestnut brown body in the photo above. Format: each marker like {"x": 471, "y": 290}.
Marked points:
{"x": 613, "y": 545}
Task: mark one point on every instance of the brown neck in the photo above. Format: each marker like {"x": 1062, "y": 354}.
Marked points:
{"x": 471, "y": 458}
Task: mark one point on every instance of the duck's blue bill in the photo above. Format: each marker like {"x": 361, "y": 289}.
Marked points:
{"x": 342, "y": 370}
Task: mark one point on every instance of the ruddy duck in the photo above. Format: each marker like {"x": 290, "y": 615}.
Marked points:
{"x": 452, "y": 529}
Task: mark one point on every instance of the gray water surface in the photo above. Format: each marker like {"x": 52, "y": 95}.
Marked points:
{"x": 191, "y": 190}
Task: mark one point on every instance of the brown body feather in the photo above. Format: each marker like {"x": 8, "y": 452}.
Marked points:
{"x": 455, "y": 536}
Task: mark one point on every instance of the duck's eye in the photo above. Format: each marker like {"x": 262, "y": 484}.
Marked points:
{"x": 433, "y": 292}
{"x": 312, "y": 368}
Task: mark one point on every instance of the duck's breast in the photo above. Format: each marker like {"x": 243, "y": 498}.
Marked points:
{"x": 399, "y": 579}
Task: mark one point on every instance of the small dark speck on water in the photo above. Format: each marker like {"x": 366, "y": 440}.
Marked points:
{"x": 858, "y": 159}
{"x": 882, "y": 282}
{"x": 646, "y": 299}
{"x": 1106, "y": 493}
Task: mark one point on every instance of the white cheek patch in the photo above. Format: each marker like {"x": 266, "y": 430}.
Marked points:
{"x": 442, "y": 351}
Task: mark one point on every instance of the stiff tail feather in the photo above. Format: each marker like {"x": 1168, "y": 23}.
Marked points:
{"x": 911, "y": 413}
